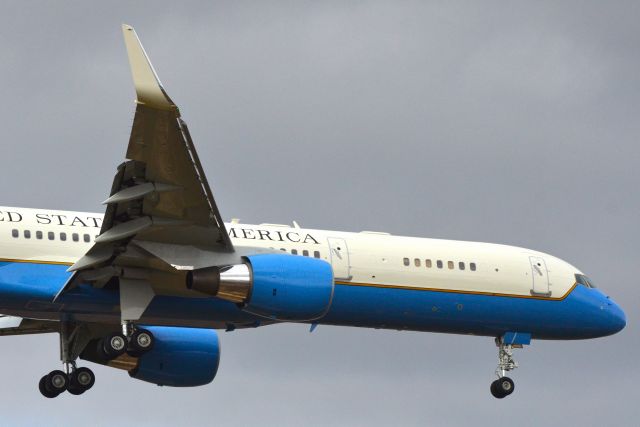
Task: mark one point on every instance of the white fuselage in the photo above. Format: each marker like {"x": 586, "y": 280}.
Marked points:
{"x": 365, "y": 258}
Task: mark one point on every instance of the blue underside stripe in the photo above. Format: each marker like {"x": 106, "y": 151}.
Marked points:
{"x": 580, "y": 315}
{"x": 584, "y": 313}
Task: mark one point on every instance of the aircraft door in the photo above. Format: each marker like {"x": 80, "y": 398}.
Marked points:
{"x": 339, "y": 253}
{"x": 540, "y": 276}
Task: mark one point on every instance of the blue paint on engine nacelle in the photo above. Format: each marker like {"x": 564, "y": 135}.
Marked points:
{"x": 181, "y": 357}
{"x": 289, "y": 287}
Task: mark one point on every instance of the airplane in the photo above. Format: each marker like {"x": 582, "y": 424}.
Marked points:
{"x": 145, "y": 286}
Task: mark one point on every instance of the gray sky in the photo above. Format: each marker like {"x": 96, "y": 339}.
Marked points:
{"x": 505, "y": 122}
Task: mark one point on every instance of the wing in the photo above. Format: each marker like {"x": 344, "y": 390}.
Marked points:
{"x": 10, "y": 325}
{"x": 161, "y": 217}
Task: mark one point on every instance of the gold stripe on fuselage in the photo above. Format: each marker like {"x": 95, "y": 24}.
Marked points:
{"x": 454, "y": 291}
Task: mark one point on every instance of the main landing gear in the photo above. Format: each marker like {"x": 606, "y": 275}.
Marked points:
{"x": 73, "y": 339}
{"x": 134, "y": 342}
{"x": 504, "y": 386}
{"x": 76, "y": 381}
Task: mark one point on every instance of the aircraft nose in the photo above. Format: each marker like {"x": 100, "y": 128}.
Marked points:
{"x": 617, "y": 318}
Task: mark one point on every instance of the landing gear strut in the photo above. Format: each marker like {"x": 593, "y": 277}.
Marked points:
{"x": 504, "y": 386}
{"x": 75, "y": 380}
{"x": 74, "y": 338}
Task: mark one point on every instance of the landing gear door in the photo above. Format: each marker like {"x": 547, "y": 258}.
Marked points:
{"x": 540, "y": 276}
{"x": 339, "y": 255}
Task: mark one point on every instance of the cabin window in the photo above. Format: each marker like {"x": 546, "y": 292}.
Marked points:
{"x": 63, "y": 236}
{"x": 75, "y": 237}
{"x": 39, "y": 235}
{"x": 417, "y": 262}
{"x": 316, "y": 254}
{"x": 27, "y": 234}
{"x": 406, "y": 261}
{"x": 472, "y": 266}
{"x": 427, "y": 263}
{"x": 439, "y": 263}
{"x": 461, "y": 265}
{"x": 294, "y": 252}
{"x": 86, "y": 238}
{"x": 450, "y": 265}
{"x": 305, "y": 252}
{"x": 51, "y": 235}
{"x": 15, "y": 233}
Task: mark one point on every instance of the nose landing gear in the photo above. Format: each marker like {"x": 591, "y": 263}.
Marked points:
{"x": 504, "y": 386}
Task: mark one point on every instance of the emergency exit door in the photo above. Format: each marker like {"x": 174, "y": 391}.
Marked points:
{"x": 339, "y": 255}
{"x": 540, "y": 276}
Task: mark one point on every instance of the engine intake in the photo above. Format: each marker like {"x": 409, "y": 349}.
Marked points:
{"x": 277, "y": 286}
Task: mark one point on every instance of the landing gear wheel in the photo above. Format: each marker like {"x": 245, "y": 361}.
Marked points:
{"x": 43, "y": 389}
{"x": 81, "y": 380}
{"x": 141, "y": 342}
{"x": 506, "y": 386}
{"x": 54, "y": 383}
{"x": 502, "y": 387}
{"x": 112, "y": 346}
{"x": 494, "y": 390}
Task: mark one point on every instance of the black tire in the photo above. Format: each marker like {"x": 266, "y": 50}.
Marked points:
{"x": 112, "y": 346}
{"x": 495, "y": 390}
{"x": 141, "y": 342}
{"x": 76, "y": 391}
{"x": 505, "y": 386}
{"x": 81, "y": 380}
{"x": 56, "y": 382}
{"x": 43, "y": 389}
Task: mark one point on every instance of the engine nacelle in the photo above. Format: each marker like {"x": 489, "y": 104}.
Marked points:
{"x": 277, "y": 286}
{"x": 181, "y": 357}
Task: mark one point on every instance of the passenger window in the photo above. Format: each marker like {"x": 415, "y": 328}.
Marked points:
{"x": 51, "y": 235}
{"x": 39, "y": 235}
{"x": 27, "y": 234}
{"x": 439, "y": 263}
{"x": 427, "y": 263}
{"x": 450, "y": 265}
{"x": 305, "y": 252}
{"x": 461, "y": 265}
{"x": 75, "y": 237}
{"x": 63, "y": 236}
{"x": 406, "y": 261}
{"x": 87, "y": 238}
{"x": 15, "y": 233}
{"x": 472, "y": 266}
{"x": 283, "y": 249}
{"x": 417, "y": 262}
{"x": 316, "y": 254}
{"x": 294, "y": 252}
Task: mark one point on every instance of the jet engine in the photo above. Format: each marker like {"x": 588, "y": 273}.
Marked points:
{"x": 277, "y": 286}
{"x": 181, "y": 357}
